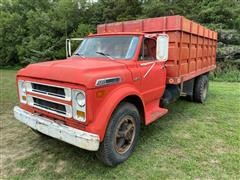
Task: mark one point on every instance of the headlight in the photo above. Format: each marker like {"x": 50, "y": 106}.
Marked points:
{"x": 23, "y": 87}
{"x": 80, "y": 98}
{"x": 22, "y": 91}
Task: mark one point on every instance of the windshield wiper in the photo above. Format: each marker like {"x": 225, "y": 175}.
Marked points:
{"x": 79, "y": 54}
{"x": 105, "y": 54}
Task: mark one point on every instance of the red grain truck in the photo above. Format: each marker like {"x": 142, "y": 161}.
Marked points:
{"x": 116, "y": 80}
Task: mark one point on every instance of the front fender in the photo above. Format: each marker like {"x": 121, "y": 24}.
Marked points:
{"x": 109, "y": 104}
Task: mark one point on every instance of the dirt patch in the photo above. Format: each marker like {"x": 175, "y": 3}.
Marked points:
{"x": 15, "y": 144}
{"x": 60, "y": 166}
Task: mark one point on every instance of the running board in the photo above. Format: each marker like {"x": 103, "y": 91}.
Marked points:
{"x": 154, "y": 112}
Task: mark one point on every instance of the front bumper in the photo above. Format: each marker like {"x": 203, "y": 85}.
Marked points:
{"x": 62, "y": 132}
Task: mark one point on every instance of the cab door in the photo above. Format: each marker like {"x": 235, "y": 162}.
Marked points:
{"x": 153, "y": 72}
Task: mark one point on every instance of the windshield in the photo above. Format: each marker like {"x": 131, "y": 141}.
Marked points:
{"x": 114, "y": 47}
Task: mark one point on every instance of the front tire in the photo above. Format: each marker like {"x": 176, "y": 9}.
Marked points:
{"x": 121, "y": 135}
{"x": 200, "y": 89}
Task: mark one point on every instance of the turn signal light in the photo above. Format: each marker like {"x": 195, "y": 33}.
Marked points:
{"x": 80, "y": 114}
{"x": 24, "y": 98}
{"x": 100, "y": 93}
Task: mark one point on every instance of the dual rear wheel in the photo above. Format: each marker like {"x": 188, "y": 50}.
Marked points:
{"x": 200, "y": 90}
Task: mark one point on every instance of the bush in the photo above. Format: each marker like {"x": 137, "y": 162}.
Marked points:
{"x": 226, "y": 71}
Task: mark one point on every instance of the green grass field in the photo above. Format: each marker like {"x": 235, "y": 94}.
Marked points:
{"x": 194, "y": 141}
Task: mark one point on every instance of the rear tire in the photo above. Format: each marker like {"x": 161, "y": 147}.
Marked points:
{"x": 200, "y": 89}
{"x": 121, "y": 135}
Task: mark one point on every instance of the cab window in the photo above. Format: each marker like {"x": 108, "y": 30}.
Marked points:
{"x": 148, "y": 50}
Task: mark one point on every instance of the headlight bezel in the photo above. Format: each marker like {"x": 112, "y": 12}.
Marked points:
{"x": 78, "y": 107}
{"x": 22, "y": 92}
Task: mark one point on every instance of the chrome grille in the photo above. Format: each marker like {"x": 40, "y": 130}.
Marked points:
{"x": 49, "y": 90}
{"x": 64, "y": 110}
{"x": 59, "y": 108}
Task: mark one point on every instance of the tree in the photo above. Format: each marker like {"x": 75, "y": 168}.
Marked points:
{"x": 32, "y": 31}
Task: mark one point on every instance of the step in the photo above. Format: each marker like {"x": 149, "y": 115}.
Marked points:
{"x": 154, "y": 112}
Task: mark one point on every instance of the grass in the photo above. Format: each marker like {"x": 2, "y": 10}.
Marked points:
{"x": 194, "y": 141}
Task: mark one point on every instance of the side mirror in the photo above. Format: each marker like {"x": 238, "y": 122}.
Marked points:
{"x": 162, "y": 47}
{"x": 68, "y": 46}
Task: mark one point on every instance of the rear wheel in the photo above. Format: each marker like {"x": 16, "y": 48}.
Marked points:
{"x": 200, "y": 89}
{"x": 121, "y": 135}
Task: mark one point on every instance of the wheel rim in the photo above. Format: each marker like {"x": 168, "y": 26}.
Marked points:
{"x": 205, "y": 91}
{"x": 124, "y": 134}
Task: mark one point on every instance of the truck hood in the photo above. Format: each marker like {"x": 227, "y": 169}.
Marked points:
{"x": 74, "y": 70}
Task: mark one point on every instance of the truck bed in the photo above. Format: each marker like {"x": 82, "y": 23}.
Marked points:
{"x": 192, "y": 47}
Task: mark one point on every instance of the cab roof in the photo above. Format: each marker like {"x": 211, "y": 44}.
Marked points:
{"x": 117, "y": 33}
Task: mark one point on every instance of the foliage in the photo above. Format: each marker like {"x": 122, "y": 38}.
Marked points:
{"x": 226, "y": 71}
{"x": 228, "y": 52}
{"x": 33, "y": 31}
{"x": 229, "y": 36}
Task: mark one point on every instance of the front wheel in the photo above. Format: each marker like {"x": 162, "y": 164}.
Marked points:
{"x": 121, "y": 135}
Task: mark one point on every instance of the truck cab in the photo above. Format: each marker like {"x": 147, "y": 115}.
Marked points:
{"x": 99, "y": 96}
